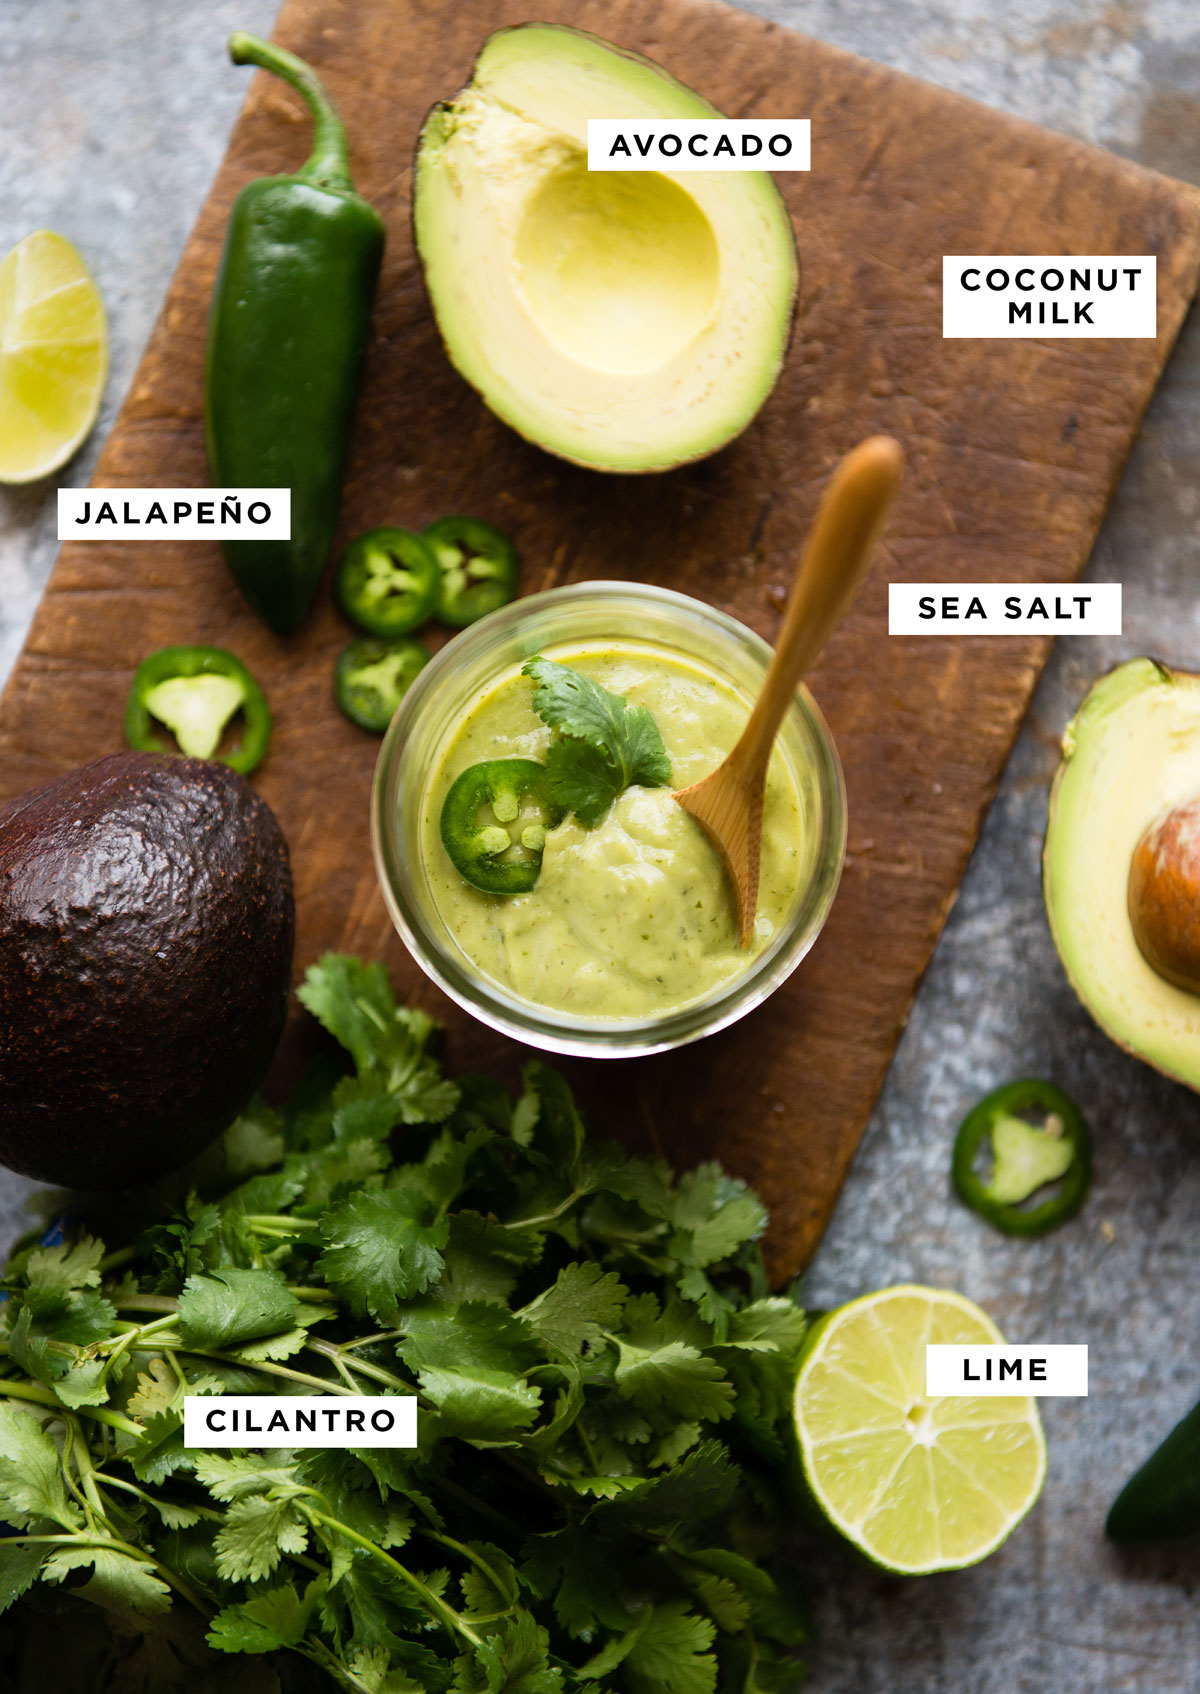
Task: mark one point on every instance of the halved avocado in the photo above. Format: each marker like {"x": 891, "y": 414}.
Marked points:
{"x": 1131, "y": 755}
{"x": 626, "y": 320}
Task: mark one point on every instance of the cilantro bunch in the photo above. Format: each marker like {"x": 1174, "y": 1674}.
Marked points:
{"x": 604, "y": 1381}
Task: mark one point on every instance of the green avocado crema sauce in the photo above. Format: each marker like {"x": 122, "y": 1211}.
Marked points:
{"x": 632, "y": 918}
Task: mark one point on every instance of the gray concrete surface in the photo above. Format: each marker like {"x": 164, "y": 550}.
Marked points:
{"x": 112, "y": 119}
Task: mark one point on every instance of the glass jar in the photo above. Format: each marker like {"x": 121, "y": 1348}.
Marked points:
{"x": 468, "y": 667}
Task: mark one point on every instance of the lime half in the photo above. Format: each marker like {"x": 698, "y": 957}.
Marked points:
{"x": 53, "y": 356}
{"x": 917, "y": 1482}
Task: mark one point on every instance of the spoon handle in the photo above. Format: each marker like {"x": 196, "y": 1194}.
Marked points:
{"x": 849, "y": 522}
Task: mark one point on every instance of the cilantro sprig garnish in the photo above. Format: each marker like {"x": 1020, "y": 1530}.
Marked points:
{"x": 602, "y": 746}
{"x": 604, "y": 1384}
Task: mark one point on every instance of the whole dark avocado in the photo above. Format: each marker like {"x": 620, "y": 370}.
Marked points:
{"x": 146, "y": 931}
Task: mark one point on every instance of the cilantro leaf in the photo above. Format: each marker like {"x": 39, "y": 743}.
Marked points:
{"x": 254, "y": 1536}
{"x": 354, "y": 1002}
{"x": 605, "y": 745}
{"x": 576, "y": 1309}
{"x": 65, "y": 1266}
{"x": 272, "y": 1618}
{"x": 31, "y": 1473}
{"x": 232, "y": 1306}
{"x": 678, "y": 1378}
{"x": 724, "y": 1602}
{"x": 74, "y": 1316}
{"x": 86, "y": 1382}
{"x": 557, "y": 1133}
{"x": 20, "y": 1567}
{"x": 482, "y": 1258}
{"x": 253, "y": 1142}
{"x": 120, "y": 1582}
{"x": 714, "y": 1215}
{"x": 381, "y": 1248}
{"x": 701, "y": 1485}
{"x": 373, "y": 1669}
{"x": 356, "y": 1005}
{"x": 513, "y": 1659}
{"x": 158, "y": 1390}
{"x": 161, "y": 1449}
{"x": 233, "y": 1476}
{"x": 490, "y": 1585}
{"x": 768, "y": 1326}
{"x": 579, "y": 1572}
{"x": 470, "y": 1362}
{"x": 476, "y": 1334}
{"x": 669, "y": 1653}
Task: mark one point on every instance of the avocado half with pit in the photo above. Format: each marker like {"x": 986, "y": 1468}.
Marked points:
{"x": 626, "y": 320}
{"x": 1121, "y": 867}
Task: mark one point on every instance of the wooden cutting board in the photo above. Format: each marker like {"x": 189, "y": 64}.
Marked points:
{"x": 1013, "y": 449}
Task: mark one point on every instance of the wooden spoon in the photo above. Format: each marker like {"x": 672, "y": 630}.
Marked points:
{"x": 728, "y": 803}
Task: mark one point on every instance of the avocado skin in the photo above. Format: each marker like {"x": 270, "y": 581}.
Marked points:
{"x": 146, "y": 932}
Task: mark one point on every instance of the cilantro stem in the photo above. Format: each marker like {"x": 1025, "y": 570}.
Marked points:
{"x": 92, "y": 1510}
{"x": 324, "y": 1383}
{"x": 276, "y": 1223}
{"x": 106, "y": 1481}
{"x": 472, "y": 1558}
{"x": 434, "y": 1603}
{"x": 148, "y": 1303}
{"x": 589, "y": 1450}
{"x": 548, "y": 1217}
{"x": 168, "y": 1353}
{"x": 46, "y": 1397}
{"x": 75, "y": 1447}
{"x": 343, "y": 1372}
{"x": 321, "y": 1654}
{"x": 364, "y": 1367}
{"x": 122, "y": 1256}
{"x": 371, "y": 1340}
{"x": 134, "y": 1337}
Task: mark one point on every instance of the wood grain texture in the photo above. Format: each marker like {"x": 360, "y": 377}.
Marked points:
{"x": 1013, "y": 449}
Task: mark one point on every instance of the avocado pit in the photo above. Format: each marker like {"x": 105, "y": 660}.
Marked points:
{"x": 1164, "y": 896}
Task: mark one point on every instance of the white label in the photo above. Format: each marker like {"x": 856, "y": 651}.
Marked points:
{"x": 1002, "y": 608}
{"x": 185, "y": 514}
{"x": 699, "y": 144}
{"x": 987, "y": 1369}
{"x": 1011, "y": 296}
{"x": 300, "y": 1420}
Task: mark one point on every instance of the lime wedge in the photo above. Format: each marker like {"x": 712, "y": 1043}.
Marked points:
{"x": 53, "y": 356}
{"x": 916, "y": 1482}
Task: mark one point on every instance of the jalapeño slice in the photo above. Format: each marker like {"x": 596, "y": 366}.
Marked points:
{"x": 494, "y": 822}
{"x": 388, "y": 582}
{"x": 195, "y": 692}
{"x": 1037, "y": 1138}
{"x": 478, "y": 569}
{"x": 372, "y": 676}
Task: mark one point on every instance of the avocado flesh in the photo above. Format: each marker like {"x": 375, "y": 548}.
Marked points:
{"x": 1130, "y": 754}
{"x": 146, "y": 930}
{"x": 624, "y": 320}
